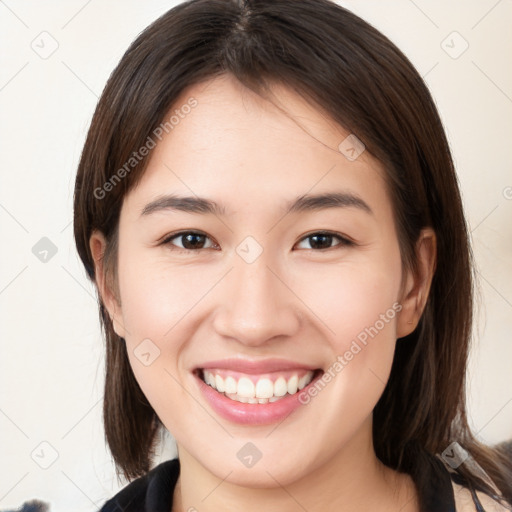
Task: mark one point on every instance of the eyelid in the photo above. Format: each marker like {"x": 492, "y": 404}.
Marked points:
{"x": 344, "y": 241}
{"x": 166, "y": 240}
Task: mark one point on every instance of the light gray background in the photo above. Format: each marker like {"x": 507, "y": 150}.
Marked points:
{"x": 51, "y": 366}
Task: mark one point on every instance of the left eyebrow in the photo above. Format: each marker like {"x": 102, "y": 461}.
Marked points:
{"x": 201, "y": 205}
{"x": 327, "y": 200}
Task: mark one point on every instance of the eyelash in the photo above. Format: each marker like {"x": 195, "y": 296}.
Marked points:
{"x": 343, "y": 241}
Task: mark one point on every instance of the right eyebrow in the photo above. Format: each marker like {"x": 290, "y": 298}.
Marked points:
{"x": 187, "y": 204}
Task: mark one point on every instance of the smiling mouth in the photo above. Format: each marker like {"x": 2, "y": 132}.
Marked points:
{"x": 257, "y": 389}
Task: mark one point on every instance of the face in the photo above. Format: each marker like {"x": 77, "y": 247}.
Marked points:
{"x": 292, "y": 281}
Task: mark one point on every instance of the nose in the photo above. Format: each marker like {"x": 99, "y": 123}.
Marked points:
{"x": 256, "y": 305}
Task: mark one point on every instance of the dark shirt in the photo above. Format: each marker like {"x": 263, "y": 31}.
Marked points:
{"x": 153, "y": 492}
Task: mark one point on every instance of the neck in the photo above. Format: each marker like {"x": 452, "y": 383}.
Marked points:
{"x": 351, "y": 480}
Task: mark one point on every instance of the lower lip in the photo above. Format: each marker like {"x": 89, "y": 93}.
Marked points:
{"x": 251, "y": 414}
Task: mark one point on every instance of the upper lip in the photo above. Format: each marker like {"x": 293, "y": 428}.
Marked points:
{"x": 252, "y": 366}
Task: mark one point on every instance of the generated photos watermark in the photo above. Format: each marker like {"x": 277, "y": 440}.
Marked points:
{"x": 357, "y": 345}
{"x": 137, "y": 156}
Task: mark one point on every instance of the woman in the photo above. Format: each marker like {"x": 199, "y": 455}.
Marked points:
{"x": 267, "y": 204}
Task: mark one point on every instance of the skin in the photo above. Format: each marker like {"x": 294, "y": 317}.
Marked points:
{"x": 294, "y": 301}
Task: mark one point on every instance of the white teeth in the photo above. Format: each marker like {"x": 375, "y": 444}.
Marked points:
{"x": 245, "y": 388}
{"x": 280, "y": 387}
{"x": 263, "y": 392}
{"x": 303, "y": 382}
{"x": 292, "y": 385}
{"x": 264, "y": 388}
{"x": 219, "y": 383}
{"x": 210, "y": 379}
{"x": 230, "y": 385}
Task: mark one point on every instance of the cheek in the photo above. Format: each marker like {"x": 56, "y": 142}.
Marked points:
{"x": 161, "y": 310}
{"x": 358, "y": 307}
{"x": 157, "y": 305}
{"x": 157, "y": 298}
{"x": 357, "y": 304}
{"x": 355, "y": 299}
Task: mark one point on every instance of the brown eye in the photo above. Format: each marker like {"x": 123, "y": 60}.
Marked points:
{"x": 189, "y": 240}
{"x": 323, "y": 240}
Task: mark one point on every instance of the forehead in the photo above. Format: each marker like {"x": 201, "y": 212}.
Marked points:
{"x": 235, "y": 145}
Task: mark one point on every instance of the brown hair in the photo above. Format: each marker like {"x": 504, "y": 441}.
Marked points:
{"x": 345, "y": 66}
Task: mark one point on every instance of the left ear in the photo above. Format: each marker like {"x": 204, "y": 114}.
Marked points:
{"x": 417, "y": 283}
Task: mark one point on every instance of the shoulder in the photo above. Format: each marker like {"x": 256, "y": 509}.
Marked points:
{"x": 465, "y": 501}
{"x": 442, "y": 489}
{"x": 153, "y": 491}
